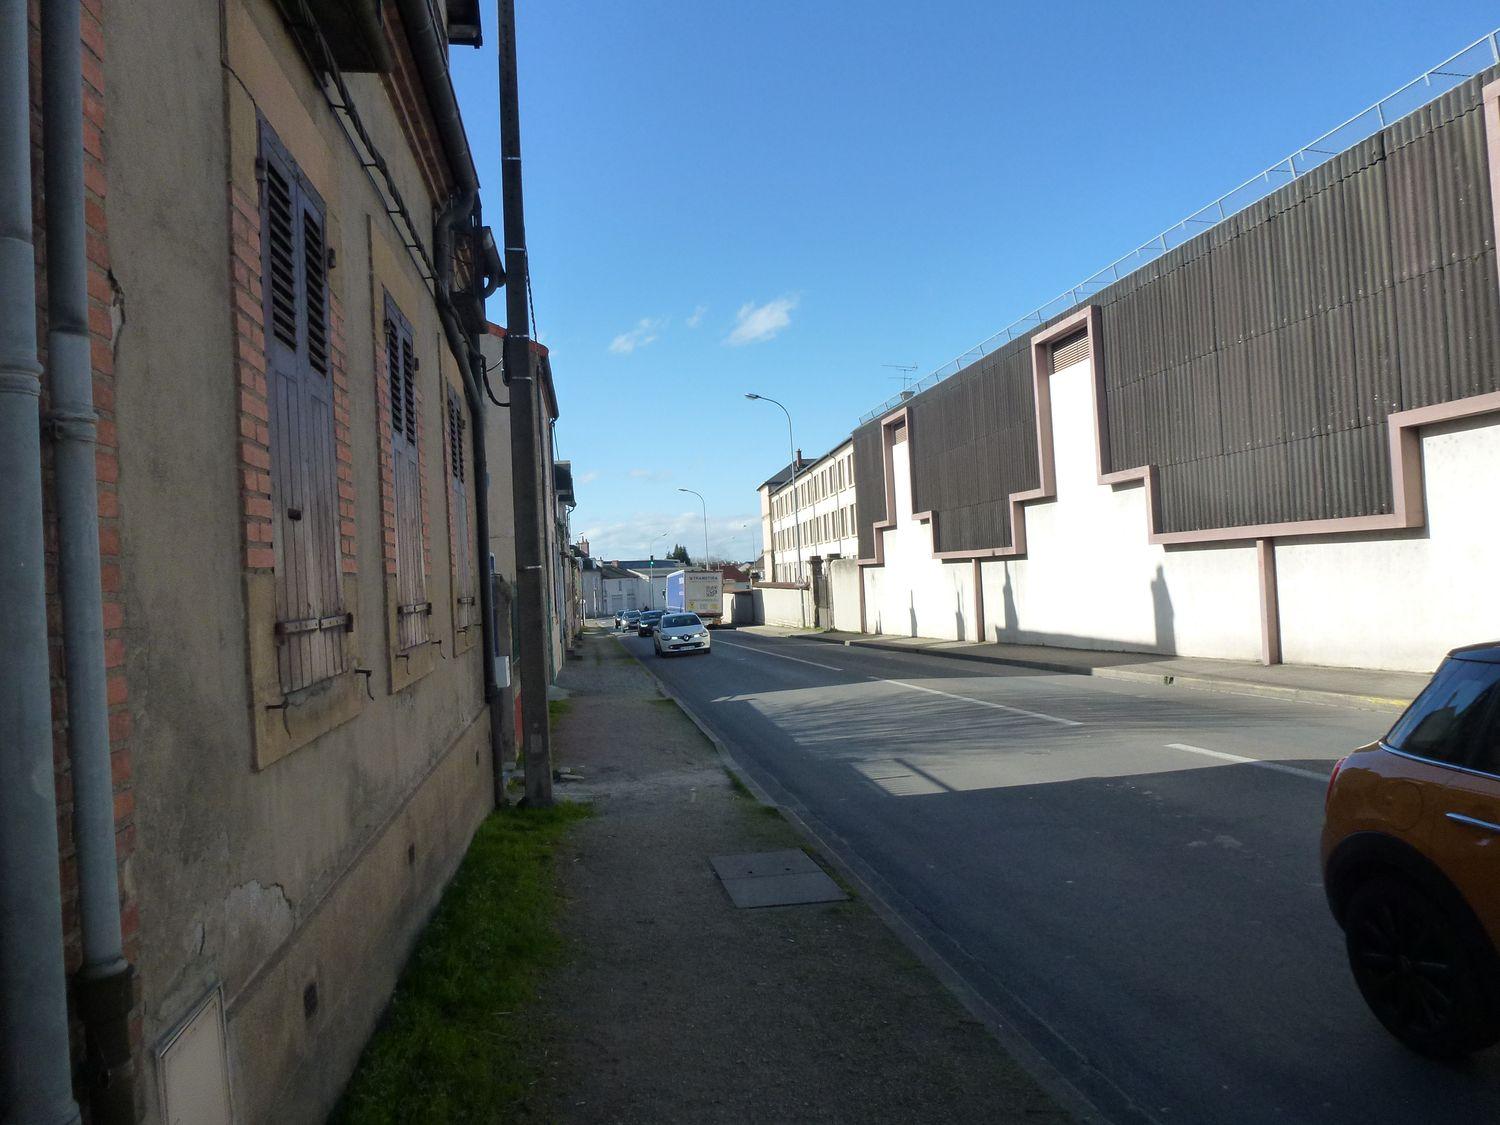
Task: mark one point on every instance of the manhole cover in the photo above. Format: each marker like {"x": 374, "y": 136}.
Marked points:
{"x": 784, "y": 878}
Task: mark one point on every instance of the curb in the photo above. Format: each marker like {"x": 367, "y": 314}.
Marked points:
{"x": 1203, "y": 683}
{"x": 1059, "y": 1086}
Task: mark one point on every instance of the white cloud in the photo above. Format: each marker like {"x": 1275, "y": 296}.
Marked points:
{"x": 756, "y": 323}
{"x": 646, "y": 331}
{"x": 697, "y": 317}
{"x": 587, "y": 478}
{"x": 651, "y": 474}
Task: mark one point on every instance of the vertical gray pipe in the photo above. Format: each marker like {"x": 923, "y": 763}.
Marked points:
{"x": 35, "y": 1070}
{"x": 103, "y": 983}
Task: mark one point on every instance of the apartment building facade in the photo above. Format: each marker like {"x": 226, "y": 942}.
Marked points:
{"x": 813, "y": 518}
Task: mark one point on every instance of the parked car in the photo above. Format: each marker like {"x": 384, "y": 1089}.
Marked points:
{"x": 647, "y": 622}
{"x": 681, "y": 632}
{"x": 629, "y": 618}
{"x": 1411, "y": 861}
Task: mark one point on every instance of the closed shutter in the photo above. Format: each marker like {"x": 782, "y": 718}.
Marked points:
{"x": 412, "y": 606}
{"x": 467, "y": 614}
{"x": 311, "y": 620}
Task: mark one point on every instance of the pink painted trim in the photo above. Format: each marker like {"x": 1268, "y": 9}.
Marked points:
{"x": 1270, "y": 610}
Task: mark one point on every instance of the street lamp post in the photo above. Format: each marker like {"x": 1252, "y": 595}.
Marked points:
{"x": 704, "y": 503}
{"x": 796, "y": 500}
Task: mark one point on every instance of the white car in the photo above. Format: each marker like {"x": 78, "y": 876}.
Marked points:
{"x": 681, "y": 632}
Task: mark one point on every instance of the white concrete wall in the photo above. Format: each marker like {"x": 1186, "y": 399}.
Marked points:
{"x": 1091, "y": 579}
{"x": 913, "y": 594}
{"x": 1402, "y": 602}
{"x": 843, "y": 589}
{"x": 785, "y": 607}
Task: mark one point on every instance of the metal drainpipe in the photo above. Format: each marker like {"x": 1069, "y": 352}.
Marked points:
{"x": 36, "y": 1083}
{"x": 464, "y": 348}
{"x": 103, "y": 983}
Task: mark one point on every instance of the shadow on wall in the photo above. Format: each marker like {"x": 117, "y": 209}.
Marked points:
{"x": 1163, "y": 615}
{"x": 911, "y": 600}
{"x": 1161, "y": 608}
{"x": 1012, "y": 619}
{"x": 959, "y": 623}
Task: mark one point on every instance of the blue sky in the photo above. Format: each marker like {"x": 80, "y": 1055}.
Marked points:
{"x": 785, "y": 197}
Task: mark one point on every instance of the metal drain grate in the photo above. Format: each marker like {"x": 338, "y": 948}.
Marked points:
{"x": 785, "y": 878}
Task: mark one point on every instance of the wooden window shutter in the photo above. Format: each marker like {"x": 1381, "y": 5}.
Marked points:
{"x": 467, "y": 612}
{"x": 412, "y": 607}
{"x": 312, "y": 622}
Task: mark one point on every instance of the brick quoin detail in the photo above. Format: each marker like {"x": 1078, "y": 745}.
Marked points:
{"x": 250, "y": 369}
{"x": 101, "y": 295}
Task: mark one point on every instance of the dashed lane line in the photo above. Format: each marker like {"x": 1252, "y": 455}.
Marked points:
{"x": 981, "y": 703}
{"x": 777, "y": 655}
{"x": 1238, "y": 759}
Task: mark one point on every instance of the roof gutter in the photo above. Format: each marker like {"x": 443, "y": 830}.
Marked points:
{"x": 429, "y": 50}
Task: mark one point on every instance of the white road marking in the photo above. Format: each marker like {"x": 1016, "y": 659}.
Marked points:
{"x": 779, "y": 656}
{"x": 914, "y": 687}
{"x": 982, "y": 703}
{"x": 1312, "y": 775}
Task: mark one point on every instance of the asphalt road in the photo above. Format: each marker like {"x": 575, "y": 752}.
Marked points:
{"x": 1128, "y": 874}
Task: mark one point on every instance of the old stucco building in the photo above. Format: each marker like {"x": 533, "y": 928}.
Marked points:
{"x": 284, "y": 270}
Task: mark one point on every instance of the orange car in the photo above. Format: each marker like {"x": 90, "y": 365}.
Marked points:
{"x": 1411, "y": 861}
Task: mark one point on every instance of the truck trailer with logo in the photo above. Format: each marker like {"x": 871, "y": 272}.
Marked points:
{"x": 696, "y": 591}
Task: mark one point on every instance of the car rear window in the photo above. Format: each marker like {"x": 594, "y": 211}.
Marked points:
{"x": 678, "y": 620}
{"x": 1456, "y": 719}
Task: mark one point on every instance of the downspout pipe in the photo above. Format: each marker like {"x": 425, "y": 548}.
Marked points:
{"x": 461, "y": 210}
{"x": 36, "y": 1086}
{"x": 103, "y": 983}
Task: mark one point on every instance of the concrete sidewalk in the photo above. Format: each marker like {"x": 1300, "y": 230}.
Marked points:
{"x": 675, "y": 1006}
{"x": 1349, "y": 687}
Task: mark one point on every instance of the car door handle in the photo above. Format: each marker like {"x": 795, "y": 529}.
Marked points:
{"x": 1473, "y": 822}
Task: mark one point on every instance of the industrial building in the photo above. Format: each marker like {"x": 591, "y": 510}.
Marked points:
{"x": 1274, "y": 437}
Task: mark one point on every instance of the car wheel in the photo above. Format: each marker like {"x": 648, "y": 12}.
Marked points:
{"x": 1419, "y": 969}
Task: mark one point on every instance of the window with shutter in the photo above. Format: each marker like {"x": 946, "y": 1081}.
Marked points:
{"x": 412, "y": 606}
{"x": 466, "y": 613}
{"x": 312, "y": 622}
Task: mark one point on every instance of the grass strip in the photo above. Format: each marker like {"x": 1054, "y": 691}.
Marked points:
{"x": 455, "y": 1042}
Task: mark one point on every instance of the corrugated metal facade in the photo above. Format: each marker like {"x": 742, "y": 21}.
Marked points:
{"x": 869, "y": 486}
{"x": 1255, "y": 365}
{"x": 973, "y": 443}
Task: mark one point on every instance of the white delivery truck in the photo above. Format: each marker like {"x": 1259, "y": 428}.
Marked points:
{"x": 696, "y": 591}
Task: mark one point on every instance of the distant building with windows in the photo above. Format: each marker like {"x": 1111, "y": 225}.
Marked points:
{"x": 821, "y": 502}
